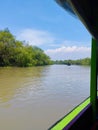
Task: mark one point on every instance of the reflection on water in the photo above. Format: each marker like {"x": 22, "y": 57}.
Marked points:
{"x": 34, "y": 98}
{"x": 12, "y": 80}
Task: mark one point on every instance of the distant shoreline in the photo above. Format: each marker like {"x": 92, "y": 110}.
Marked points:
{"x": 85, "y": 61}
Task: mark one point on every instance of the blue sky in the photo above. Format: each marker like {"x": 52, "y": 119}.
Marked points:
{"x": 45, "y": 24}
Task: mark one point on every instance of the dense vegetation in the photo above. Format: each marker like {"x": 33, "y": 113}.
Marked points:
{"x": 85, "y": 61}
{"x": 16, "y": 53}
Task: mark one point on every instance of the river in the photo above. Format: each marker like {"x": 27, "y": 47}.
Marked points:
{"x": 35, "y": 98}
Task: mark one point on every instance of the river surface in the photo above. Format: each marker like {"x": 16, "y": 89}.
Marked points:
{"x": 35, "y": 98}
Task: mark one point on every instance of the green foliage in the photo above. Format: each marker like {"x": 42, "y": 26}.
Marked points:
{"x": 85, "y": 61}
{"x": 15, "y": 53}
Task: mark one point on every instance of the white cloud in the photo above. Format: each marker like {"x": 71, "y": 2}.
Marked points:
{"x": 72, "y": 43}
{"x": 60, "y": 51}
{"x": 36, "y": 37}
{"x": 69, "y": 52}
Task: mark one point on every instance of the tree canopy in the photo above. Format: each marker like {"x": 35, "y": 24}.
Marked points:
{"x": 85, "y": 61}
{"x": 15, "y": 53}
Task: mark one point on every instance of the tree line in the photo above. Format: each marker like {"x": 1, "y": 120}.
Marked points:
{"x": 17, "y": 53}
{"x": 85, "y": 61}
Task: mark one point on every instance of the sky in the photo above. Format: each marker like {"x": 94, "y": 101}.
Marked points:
{"x": 45, "y": 24}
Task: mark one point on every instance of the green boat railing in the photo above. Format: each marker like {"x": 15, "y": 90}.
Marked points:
{"x": 70, "y": 116}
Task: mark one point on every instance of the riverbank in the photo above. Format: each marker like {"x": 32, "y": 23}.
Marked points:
{"x": 19, "y": 53}
{"x": 85, "y": 61}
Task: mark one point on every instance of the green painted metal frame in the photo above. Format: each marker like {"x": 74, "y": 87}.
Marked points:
{"x": 70, "y": 116}
{"x": 93, "y": 83}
